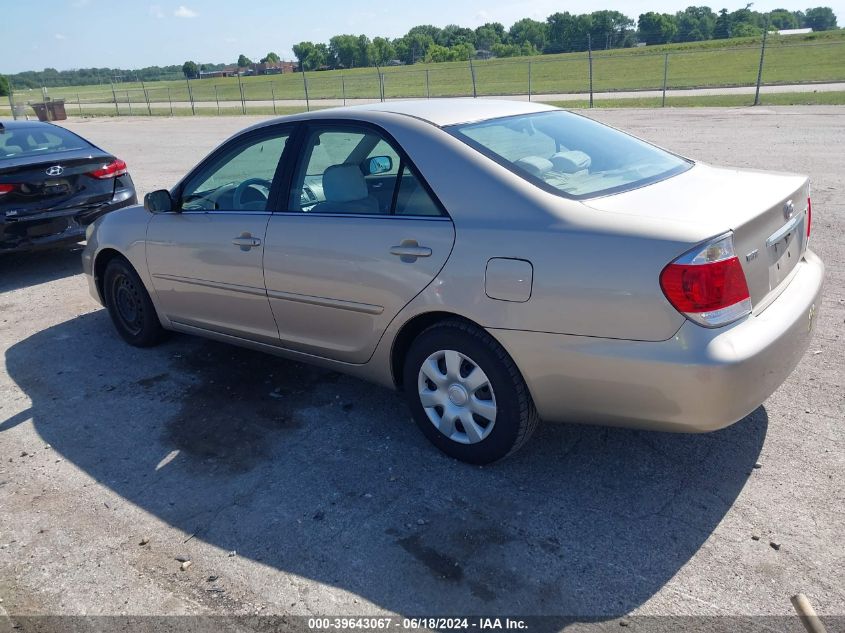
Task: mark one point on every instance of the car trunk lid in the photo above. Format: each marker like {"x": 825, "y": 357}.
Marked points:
{"x": 767, "y": 213}
{"x": 54, "y": 182}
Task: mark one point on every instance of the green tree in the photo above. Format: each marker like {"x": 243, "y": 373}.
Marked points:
{"x": 488, "y": 35}
{"x": 528, "y": 31}
{"x": 780, "y": 19}
{"x": 745, "y": 29}
{"x": 190, "y": 70}
{"x": 311, "y": 56}
{"x": 244, "y": 61}
{"x": 271, "y": 58}
{"x": 695, "y": 24}
{"x": 820, "y": 19}
{"x": 657, "y": 28}
{"x": 608, "y": 28}
{"x": 345, "y": 51}
{"x": 567, "y": 32}
{"x": 383, "y": 50}
{"x": 5, "y": 89}
{"x": 722, "y": 30}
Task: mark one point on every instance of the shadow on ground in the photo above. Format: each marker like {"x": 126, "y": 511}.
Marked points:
{"x": 19, "y": 270}
{"x": 325, "y": 477}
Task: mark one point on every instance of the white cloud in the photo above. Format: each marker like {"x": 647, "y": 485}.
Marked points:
{"x": 185, "y": 12}
{"x": 156, "y": 12}
{"x": 59, "y": 36}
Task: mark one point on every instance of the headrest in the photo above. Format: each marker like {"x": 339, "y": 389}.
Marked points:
{"x": 534, "y": 165}
{"x": 344, "y": 183}
{"x": 571, "y": 161}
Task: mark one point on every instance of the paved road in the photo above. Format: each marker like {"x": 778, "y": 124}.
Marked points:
{"x": 334, "y": 502}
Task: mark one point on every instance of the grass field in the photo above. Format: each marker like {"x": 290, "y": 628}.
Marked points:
{"x": 816, "y": 57}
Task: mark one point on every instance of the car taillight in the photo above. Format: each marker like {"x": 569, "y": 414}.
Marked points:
{"x": 115, "y": 168}
{"x": 707, "y": 284}
{"x": 4, "y": 189}
{"x": 809, "y": 217}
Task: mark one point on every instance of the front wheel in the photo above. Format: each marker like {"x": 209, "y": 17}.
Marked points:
{"x": 129, "y": 305}
{"x": 466, "y": 393}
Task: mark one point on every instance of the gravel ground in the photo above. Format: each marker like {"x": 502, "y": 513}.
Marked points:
{"x": 325, "y": 499}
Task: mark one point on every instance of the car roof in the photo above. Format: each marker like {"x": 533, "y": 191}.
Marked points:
{"x": 444, "y": 112}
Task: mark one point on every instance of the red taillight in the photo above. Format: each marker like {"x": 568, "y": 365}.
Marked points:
{"x": 4, "y": 189}
{"x": 708, "y": 285}
{"x": 809, "y": 216}
{"x": 115, "y": 168}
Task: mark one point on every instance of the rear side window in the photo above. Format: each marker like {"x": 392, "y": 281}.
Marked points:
{"x": 32, "y": 141}
{"x": 570, "y": 155}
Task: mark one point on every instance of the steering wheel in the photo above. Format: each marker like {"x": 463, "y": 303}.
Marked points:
{"x": 240, "y": 190}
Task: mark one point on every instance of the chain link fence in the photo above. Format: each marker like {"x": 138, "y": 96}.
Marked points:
{"x": 583, "y": 77}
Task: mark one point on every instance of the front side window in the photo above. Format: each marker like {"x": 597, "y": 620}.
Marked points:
{"x": 355, "y": 170}
{"x": 570, "y": 154}
{"x": 239, "y": 180}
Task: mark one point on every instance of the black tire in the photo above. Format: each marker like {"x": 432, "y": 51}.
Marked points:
{"x": 515, "y": 418}
{"x": 129, "y": 305}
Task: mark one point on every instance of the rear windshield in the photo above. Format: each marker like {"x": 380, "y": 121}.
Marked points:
{"x": 36, "y": 140}
{"x": 570, "y": 155}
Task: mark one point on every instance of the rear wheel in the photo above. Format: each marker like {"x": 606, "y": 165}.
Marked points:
{"x": 130, "y": 306}
{"x": 466, "y": 394}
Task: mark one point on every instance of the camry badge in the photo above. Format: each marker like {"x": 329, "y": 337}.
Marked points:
{"x": 788, "y": 209}
{"x": 751, "y": 256}
{"x": 55, "y": 170}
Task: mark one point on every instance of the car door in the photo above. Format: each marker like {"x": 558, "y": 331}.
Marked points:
{"x": 205, "y": 259}
{"x": 360, "y": 238}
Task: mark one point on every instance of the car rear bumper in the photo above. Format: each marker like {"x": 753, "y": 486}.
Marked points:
{"x": 699, "y": 380}
{"x": 56, "y": 227}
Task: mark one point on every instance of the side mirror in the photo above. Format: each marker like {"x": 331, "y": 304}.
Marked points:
{"x": 379, "y": 165}
{"x": 159, "y": 202}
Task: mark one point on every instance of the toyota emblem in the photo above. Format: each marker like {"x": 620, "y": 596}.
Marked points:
{"x": 55, "y": 170}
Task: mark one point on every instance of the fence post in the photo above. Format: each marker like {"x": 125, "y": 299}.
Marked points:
{"x": 241, "y": 90}
{"x": 305, "y": 83}
{"x": 427, "y": 86}
{"x": 343, "y": 88}
{"x": 529, "y": 81}
{"x": 78, "y": 103}
{"x": 590, "y": 59}
{"x": 114, "y": 98}
{"x": 190, "y": 96}
{"x": 760, "y": 69}
{"x": 129, "y": 101}
{"x": 147, "y": 99}
{"x": 665, "y": 77}
{"x": 380, "y": 84}
{"x": 472, "y": 74}
{"x": 217, "y": 99}
{"x": 12, "y": 100}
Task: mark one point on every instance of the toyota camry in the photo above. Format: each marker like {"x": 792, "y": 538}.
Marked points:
{"x": 498, "y": 262}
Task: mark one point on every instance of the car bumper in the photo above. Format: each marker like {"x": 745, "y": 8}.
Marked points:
{"x": 56, "y": 227}
{"x": 699, "y": 380}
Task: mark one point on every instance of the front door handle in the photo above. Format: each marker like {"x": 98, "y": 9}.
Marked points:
{"x": 409, "y": 251}
{"x": 245, "y": 241}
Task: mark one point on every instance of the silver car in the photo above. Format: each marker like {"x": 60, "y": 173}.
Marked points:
{"x": 499, "y": 262}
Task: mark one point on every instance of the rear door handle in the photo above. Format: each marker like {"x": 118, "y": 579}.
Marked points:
{"x": 245, "y": 241}
{"x": 409, "y": 251}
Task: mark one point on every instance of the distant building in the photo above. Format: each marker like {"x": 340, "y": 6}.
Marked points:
{"x": 792, "y": 31}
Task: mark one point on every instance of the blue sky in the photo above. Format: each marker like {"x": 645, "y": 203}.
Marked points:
{"x": 67, "y": 34}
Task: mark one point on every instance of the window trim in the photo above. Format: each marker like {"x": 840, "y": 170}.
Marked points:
{"x": 241, "y": 140}
{"x": 455, "y": 132}
{"x": 297, "y": 153}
